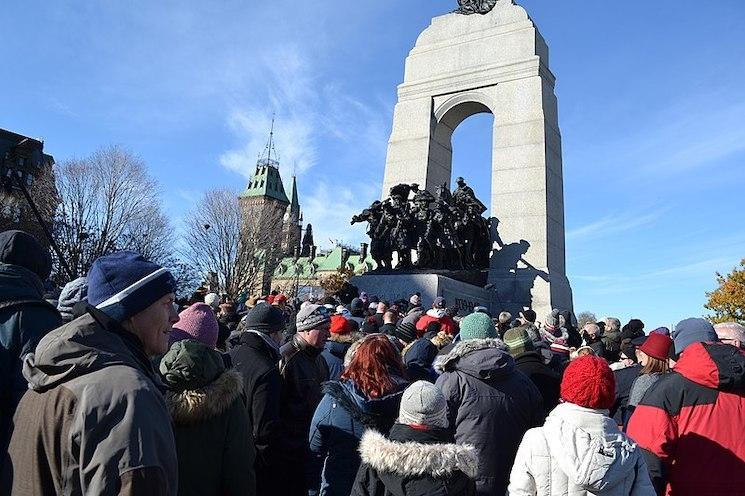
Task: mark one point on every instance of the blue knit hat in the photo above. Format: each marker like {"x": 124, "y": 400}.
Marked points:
{"x": 691, "y": 331}
{"x": 477, "y": 326}
{"x": 124, "y": 283}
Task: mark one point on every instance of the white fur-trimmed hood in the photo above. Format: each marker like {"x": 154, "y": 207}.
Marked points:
{"x": 416, "y": 459}
{"x": 463, "y": 348}
{"x": 193, "y": 406}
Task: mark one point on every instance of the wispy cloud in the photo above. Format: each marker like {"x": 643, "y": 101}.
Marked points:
{"x": 615, "y": 223}
{"x": 675, "y": 141}
{"x": 308, "y": 110}
{"x": 330, "y": 209}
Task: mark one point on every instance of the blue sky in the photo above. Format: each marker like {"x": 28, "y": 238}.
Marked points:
{"x": 651, "y": 106}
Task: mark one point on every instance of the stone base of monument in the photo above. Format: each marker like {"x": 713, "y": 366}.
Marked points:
{"x": 398, "y": 286}
{"x": 520, "y": 289}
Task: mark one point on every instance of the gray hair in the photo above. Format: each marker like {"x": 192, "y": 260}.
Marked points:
{"x": 612, "y": 324}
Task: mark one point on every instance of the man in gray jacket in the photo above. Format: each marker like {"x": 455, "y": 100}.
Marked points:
{"x": 94, "y": 420}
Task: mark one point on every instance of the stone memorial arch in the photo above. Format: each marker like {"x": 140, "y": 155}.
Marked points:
{"x": 496, "y": 62}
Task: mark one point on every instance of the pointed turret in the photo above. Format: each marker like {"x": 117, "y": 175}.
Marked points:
{"x": 266, "y": 181}
{"x": 294, "y": 200}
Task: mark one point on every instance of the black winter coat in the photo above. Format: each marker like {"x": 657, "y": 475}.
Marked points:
{"x": 491, "y": 405}
{"x": 414, "y": 462}
{"x": 25, "y": 318}
{"x": 256, "y": 360}
{"x": 624, "y": 380}
{"x": 303, "y": 370}
{"x": 545, "y": 379}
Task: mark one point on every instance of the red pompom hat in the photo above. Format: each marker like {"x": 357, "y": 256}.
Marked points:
{"x": 340, "y": 325}
{"x": 657, "y": 346}
{"x": 588, "y": 382}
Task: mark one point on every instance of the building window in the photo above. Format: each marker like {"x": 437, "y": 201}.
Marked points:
{"x": 29, "y": 180}
{"x": 21, "y": 162}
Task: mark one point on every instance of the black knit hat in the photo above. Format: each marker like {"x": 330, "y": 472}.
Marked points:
{"x": 265, "y": 318}
{"x": 406, "y": 332}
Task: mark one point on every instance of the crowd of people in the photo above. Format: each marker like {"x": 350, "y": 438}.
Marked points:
{"x": 117, "y": 389}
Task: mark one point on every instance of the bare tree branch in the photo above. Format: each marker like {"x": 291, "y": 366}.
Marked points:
{"x": 239, "y": 247}
{"x": 109, "y": 202}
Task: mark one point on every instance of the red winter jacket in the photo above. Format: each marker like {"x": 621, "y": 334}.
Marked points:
{"x": 447, "y": 323}
{"x": 691, "y": 424}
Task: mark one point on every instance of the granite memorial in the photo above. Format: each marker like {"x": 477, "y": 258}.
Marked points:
{"x": 487, "y": 56}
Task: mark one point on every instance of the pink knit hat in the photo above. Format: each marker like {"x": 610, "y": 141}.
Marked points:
{"x": 196, "y": 322}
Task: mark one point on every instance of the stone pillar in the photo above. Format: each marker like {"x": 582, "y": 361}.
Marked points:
{"x": 496, "y": 63}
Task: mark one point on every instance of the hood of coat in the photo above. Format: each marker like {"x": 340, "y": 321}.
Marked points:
{"x": 73, "y": 293}
{"x": 19, "y": 283}
{"x": 21, "y": 249}
{"x": 420, "y": 352}
{"x": 485, "y": 359}
{"x": 199, "y": 386}
{"x": 713, "y": 365}
{"x": 336, "y": 348}
{"x": 412, "y": 459}
{"x": 589, "y": 448}
{"x": 259, "y": 342}
{"x": 372, "y": 412}
{"x": 83, "y": 346}
{"x": 346, "y": 339}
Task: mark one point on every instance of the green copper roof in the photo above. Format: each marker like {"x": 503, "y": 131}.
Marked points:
{"x": 360, "y": 267}
{"x": 330, "y": 262}
{"x": 266, "y": 181}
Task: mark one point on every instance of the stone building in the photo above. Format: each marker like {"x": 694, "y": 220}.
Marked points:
{"x": 24, "y": 158}
{"x": 265, "y": 206}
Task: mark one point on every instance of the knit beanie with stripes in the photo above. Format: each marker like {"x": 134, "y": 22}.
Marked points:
{"x": 123, "y": 284}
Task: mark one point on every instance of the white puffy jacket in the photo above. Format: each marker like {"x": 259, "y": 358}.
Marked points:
{"x": 579, "y": 451}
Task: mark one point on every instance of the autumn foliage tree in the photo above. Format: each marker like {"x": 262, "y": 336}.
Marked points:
{"x": 728, "y": 300}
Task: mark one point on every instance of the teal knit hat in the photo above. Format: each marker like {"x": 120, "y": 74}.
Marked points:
{"x": 477, "y": 326}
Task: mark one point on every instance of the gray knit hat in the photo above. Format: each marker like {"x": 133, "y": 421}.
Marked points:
{"x": 423, "y": 404}
{"x": 312, "y": 317}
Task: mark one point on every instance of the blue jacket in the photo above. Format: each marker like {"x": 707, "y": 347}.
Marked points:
{"x": 334, "y": 353}
{"x": 338, "y": 424}
{"x": 24, "y": 319}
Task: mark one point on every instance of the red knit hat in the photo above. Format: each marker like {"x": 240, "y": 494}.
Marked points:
{"x": 588, "y": 381}
{"x": 657, "y": 346}
{"x": 340, "y": 325}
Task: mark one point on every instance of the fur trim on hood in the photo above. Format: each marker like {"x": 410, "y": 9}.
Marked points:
{"x": 463, "y": 348}
{"x": 346, "y": 338}
{"x": 194, "y": 406}
{"x": 417, "y": 459}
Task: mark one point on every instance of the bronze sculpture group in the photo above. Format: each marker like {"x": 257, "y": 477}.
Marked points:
{"x": 468, "y": 7}
{"x": 446, "y": 231}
